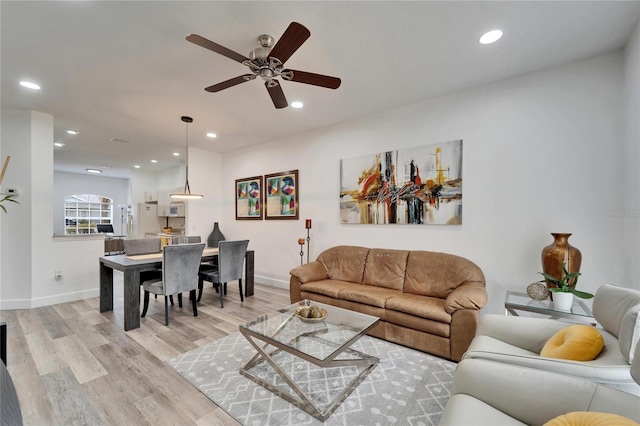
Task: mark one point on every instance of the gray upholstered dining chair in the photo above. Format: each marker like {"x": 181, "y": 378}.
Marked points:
{"x": 144, "y": 246}
{"x": 186, "y": 240}
{"x": 141, "y": 246}
{"x": 180, "y": 264}
{"x": 230, "y": 264}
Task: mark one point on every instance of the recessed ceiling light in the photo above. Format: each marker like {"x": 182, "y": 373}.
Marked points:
{"x": 490, "y": 37}
{"x": 154, "y": 161}
{"x": 73, "y": 132}
{"x": 96, "y": 171}
{"x": 58, "y": 144}
{"x": 212, "y": 135}
{"x": 176, "y": 154}
{"x": 136, "y": 166}
{"x": 297, "y": 104}
{"x": 29, "y": 85}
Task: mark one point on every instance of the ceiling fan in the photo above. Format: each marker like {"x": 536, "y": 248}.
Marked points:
{"x": 267, "y": 62}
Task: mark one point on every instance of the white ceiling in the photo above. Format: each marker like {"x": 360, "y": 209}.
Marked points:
{"x": 123, "y": 69}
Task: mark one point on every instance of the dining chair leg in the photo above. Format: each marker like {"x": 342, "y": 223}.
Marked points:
{"x": 166, "y": 311}
{"x": 171, "y": 299}
{"x": 200, "y": 285}
{"x": 180, "y": 300}
{"x": 146, "y": 303}
{"x": 241, "y": 296}
{"x": 194, "y": 302}
{"x": 225, "y": 289}
{"x": 221, "y": 295}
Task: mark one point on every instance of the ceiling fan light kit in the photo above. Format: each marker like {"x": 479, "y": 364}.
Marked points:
{"x": 267, "y": 62}
{"x": 186, "y": 193}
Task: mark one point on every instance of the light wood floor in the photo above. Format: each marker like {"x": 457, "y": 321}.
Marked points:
{"x": 73, "y": 365}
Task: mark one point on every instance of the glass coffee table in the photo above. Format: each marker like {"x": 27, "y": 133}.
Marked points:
{"x": 298, "y": 360}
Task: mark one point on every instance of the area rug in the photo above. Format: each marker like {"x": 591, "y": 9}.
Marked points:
{"x": 407, "y": 387}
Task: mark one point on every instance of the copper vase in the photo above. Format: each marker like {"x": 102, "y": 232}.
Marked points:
{"x": 554, "y": 255}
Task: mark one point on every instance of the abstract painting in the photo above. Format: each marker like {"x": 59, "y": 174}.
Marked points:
{"x": 281, "y": 195}
{"x": 249, "y": 198}
{"x": 421, "y": 185}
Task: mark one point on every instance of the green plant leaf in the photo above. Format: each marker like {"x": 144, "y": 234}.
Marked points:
{"x": 563, "y": 289}
{"x": 549, "y": 278}
{"x": 581, "y": 294}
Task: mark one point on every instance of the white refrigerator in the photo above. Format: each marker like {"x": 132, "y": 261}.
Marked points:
{"x": 147, "y": 220}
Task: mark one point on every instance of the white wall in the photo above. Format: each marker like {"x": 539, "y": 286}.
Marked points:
{"x": 545, "y": 152}
{"x": 29, "y": 253}
{"x": 15, "y": 226}
{"x": 631, "y": 155}
{"x": 540, "y": 155}
{"x": 205, "y": 177}
{"x": 73, "y": 183}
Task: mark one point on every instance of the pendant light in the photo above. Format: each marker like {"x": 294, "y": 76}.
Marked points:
{"x": 186, "y": 193}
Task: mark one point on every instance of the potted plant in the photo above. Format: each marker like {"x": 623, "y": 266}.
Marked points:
{"x": 565, "y": 288}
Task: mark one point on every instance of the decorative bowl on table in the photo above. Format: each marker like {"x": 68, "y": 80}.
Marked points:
{"x": 311, "y": 313}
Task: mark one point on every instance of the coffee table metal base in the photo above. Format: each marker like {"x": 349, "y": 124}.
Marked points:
{"x": 303, "y": 401}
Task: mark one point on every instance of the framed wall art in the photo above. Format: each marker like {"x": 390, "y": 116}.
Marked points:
{"x": 249, "y": 198}
{"x": 281, "y": 195}
{"x": 421, "y": 185}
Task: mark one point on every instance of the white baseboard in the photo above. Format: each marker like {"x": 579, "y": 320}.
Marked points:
{"x": 48, "y": 300}
{"x": 272, "y": 282}
{"x": 86, "y": 294}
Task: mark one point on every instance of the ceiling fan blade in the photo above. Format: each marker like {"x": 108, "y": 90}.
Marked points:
{"x": 208, "y": 44}
{"x": 314, "y": 79}
{"x": 294, "y": 36}
{"x": 229, "y": 83}
{"x": 276, "y": 93}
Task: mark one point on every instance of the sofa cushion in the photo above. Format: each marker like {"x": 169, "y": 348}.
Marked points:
{"x": 421, "y": 306}
{"x": 331, "y": 288}
{"x": 367, "y": 295}
{"x": 412, "y": 322}
{"x": 386, "y": 268}
{"x": 344, "y": 263}
{"x": 438, "y": 274}
{"x": 576, "y": 342}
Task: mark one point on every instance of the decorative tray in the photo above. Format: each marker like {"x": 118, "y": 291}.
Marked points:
{"x": 311, "y": 314}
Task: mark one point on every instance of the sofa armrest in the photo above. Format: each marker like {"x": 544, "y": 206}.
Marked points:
{"x": 469, "y": 295}
{"x": 313, "y": 271}
{"x": 509, "y": 329}
{"x": 529, "y": 395}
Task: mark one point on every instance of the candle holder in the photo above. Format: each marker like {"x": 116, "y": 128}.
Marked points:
{"x": 301, "y": 242}
{"x": 307, "y": 224}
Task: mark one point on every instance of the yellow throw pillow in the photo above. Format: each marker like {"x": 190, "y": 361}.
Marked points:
{"x": 576, "y": 342}
{"x": 590, "y": 418}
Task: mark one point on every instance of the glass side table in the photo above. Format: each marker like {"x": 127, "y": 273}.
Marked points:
{"x": 580, "y": 310}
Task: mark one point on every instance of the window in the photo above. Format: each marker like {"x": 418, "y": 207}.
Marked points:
{"x": 83, "y": 212}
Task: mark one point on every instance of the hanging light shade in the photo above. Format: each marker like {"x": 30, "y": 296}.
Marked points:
{"x": 186, "y": 193}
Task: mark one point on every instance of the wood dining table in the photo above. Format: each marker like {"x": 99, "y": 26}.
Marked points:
{"x": 131, "y": 266}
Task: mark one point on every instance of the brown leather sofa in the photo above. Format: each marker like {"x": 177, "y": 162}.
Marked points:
{"x": 425, "y": 300}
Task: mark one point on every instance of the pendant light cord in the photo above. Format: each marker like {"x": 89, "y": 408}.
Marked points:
{"x": 187, "y": 189}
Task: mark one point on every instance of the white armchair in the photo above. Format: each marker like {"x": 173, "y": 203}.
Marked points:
{"x": 519, "y": 340}
{"x": 487, "y": 392}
